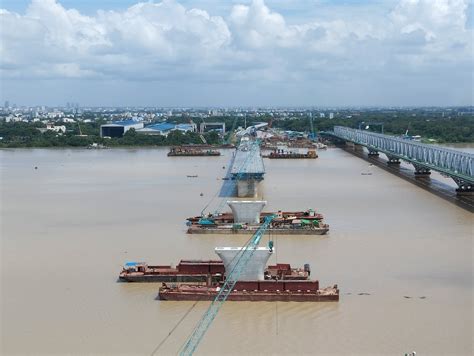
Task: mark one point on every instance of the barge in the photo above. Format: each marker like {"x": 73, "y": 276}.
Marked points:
{"x": 254, "y": 291}
{"x": 246, "y": 217}
{"x": 185, "y": 271}
{"x": 200, "y": 271}
{"x": 282, "y": 154}
{"x": 186, "y": 151}
{"x": 277, "y": 283}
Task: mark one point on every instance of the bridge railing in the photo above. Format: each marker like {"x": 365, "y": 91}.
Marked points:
{"x": 450, "y": 161}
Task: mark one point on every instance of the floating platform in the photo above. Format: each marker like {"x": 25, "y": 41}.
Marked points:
{"x": 184, "y": 151}
{"x": 282, "y": 154}
{"x": 199, "y": 271}
{"x": 185, "y": 271}
{"x": 255, "y": 291}
{"x": 286, "y": 223}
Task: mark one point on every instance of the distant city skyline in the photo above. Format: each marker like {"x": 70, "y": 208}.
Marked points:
{"x": 211, "y": 53}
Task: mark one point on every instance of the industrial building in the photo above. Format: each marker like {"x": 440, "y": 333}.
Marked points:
{"x": 118, "y": 128}
{"x": 212, "y": 126}
{"x": 164, "y": 128}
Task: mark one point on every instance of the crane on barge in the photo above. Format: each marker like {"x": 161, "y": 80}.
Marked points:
{"x": 243, "y": 259}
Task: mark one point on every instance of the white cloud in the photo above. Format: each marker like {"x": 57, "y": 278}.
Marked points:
{"x": 167, "y": 41}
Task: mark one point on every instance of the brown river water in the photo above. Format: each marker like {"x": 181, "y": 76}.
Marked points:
{"x": 68, "y": 226}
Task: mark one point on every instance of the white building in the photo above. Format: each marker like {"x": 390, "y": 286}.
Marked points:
{"x": 59, "y": 129}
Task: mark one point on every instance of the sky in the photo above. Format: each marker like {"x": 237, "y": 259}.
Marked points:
{"x": 237, "y": 52}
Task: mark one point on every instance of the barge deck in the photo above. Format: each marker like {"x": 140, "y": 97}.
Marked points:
{"x": 255, "y": 291}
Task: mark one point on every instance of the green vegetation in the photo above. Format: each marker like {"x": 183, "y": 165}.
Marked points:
{"x": 22, "y": 134}
{"x": 428, "y": 126}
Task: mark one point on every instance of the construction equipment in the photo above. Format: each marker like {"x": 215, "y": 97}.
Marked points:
{"x": 231, "y": 132}
{"x": 243, "y": 258}
{"x": 312, "y": 135}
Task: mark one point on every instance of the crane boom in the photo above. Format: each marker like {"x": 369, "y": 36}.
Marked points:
{"x": 243, "y": 258}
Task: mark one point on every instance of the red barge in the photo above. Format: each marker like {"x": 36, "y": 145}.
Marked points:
{"x": 279, "y": 282}
{"x": 255, "y": 291}
{"x": 200, "y": 271}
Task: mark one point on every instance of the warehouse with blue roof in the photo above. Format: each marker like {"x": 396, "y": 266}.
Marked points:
{"x": 164, "y": 128}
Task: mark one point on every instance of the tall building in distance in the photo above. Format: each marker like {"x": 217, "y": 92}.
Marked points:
{"x": 7, "y": 104}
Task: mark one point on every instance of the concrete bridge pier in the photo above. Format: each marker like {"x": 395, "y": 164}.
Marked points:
{"x": 464, "y": 187}
{"x": 393, "y": 159}
{"x": 421, "y": 172}
{"x": 247, "y": 188}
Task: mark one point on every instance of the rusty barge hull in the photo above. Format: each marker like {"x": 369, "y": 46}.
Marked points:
{"x": 250, "y": 231}
{"x": 255, "y": 291}
{"x": 251, "y": 297}
{"x": 199, "y": 271}
{"x": 194, "y": 154}
{"x": 176, "y": 278}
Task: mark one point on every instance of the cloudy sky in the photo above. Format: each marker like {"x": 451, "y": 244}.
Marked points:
{"x": 237, "y": 52}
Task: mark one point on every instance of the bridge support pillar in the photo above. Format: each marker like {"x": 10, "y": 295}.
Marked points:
{"x": 373, "y": 153}
{"x": 421, "y": 172}
{"x": 393, "y": 159}
{"x": 247, "y": 188}
{"x": 464, "y": 187}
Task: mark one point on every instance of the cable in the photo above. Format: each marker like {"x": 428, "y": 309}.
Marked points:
{"x": 174, "y": 328}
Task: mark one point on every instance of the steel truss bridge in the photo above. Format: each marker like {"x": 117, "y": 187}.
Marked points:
{"x": 455, "y": 164}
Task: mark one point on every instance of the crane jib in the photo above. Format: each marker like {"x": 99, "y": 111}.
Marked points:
{"x": 243, "y": 258}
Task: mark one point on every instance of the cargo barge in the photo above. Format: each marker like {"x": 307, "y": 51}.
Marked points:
{"x": 246, "y": 217}
{"x": 185, "y": 271}
{"x": 282, "y": 154}
{"x": 200, "y": 271}
{"x": 254, "y": 291}
{"x": 184, "y": 151}
{"x": 273, "y": 284}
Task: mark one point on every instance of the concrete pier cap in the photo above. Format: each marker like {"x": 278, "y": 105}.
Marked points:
{"x": 255, "y": 269}
{"x": 247, "y": 211}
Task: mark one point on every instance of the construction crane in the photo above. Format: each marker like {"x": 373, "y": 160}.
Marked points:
{"x": 243, "y": 259}
{"x": 231, "y": 132}
{"x": 312, "y": 134}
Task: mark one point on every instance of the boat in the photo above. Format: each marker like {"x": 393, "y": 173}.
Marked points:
{"x": 185, "y": 271}
{"x": 282, "y": 154}
{"x": 187, "y": 151}
{"x": 254, "y": 291}
{"x": 200, "y": 271}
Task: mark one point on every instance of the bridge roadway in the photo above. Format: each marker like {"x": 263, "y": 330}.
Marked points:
{"x": 455, "y": 164}
{"x": 247, "y": 167}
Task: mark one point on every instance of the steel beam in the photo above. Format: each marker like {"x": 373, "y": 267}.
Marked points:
{"x": 458, "y": 165}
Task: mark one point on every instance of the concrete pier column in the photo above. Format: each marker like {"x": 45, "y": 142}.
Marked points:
{"x": 255, "y": 268}
{"x": 392, "y": 159}
{"x": 247, "y": 211}
{"x": 247, "y": 188}
{"x": 421, "y": 171}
